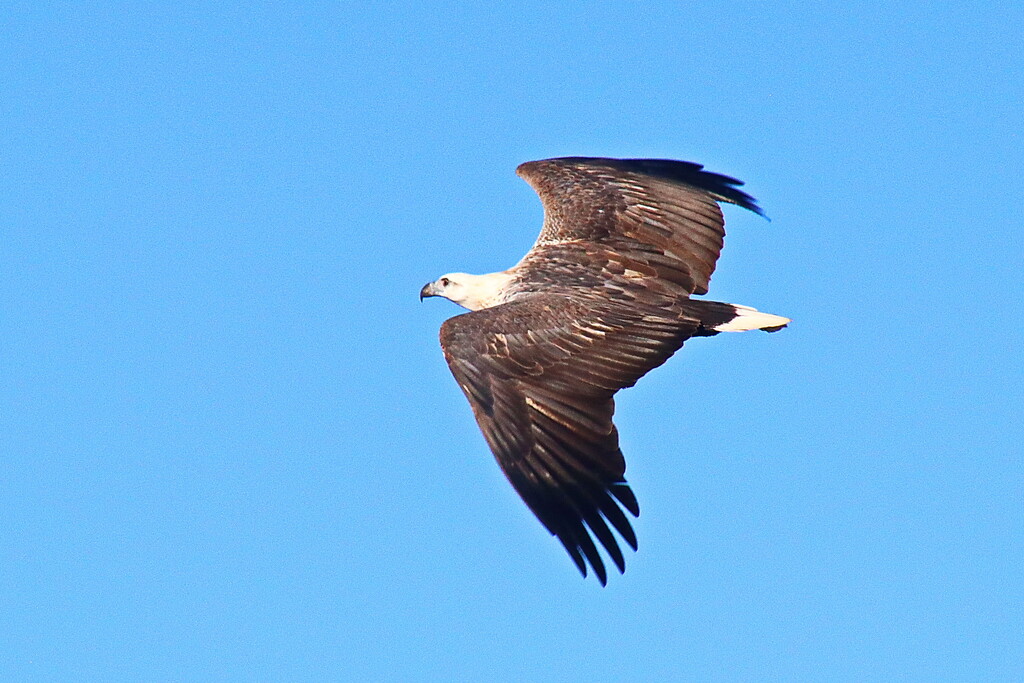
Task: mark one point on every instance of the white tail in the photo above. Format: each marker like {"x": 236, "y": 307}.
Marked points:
{"x": 748, "y": 318}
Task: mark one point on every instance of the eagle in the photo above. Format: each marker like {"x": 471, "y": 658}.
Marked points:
{"x": 604, "y": 296}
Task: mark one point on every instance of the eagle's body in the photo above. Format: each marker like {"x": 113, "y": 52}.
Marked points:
{"x": 603, "y": 297}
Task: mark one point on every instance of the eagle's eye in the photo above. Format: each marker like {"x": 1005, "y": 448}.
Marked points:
{"x": 445, "y": 282}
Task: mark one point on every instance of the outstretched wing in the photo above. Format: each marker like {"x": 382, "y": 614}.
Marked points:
{"x": 539, "y": 374}
{"x": 659, "y": 213}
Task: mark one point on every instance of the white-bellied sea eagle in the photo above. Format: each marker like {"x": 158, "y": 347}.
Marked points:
{"x": 603, "y": 297}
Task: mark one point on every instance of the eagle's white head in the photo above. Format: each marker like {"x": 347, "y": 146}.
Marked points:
{"x": 469, "y": 291}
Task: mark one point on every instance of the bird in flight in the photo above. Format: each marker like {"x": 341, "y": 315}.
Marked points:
{"x": 602, "y": 297}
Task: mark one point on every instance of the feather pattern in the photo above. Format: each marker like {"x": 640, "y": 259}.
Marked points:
{"x": 601, "y": 299}
{"x": 661, "y": 212}
{"x": 551, "y": 431}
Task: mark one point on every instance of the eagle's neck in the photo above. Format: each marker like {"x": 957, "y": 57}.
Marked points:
{"x": 483, "y": 291}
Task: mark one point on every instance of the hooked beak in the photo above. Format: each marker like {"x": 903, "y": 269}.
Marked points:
{"x": 429, "y": 289}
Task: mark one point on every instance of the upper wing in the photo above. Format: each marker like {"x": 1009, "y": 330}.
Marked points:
{"x": 539, "y": 374}
{"x": 663, "y": 213}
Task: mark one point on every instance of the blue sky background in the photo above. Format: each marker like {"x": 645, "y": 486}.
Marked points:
{"x": 230, "y": 448}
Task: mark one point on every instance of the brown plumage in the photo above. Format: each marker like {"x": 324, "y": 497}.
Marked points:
{"x": 601, "y": 299}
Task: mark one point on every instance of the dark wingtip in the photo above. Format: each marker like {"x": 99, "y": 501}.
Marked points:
{"x": 722, "y": 187}
{"x": 625, "y": 495}
{"x": 577, "y": 558}
{"x": 596, "y": 563}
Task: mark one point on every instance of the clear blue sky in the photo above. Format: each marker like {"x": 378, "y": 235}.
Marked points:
{"x": 230, "y": 446}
